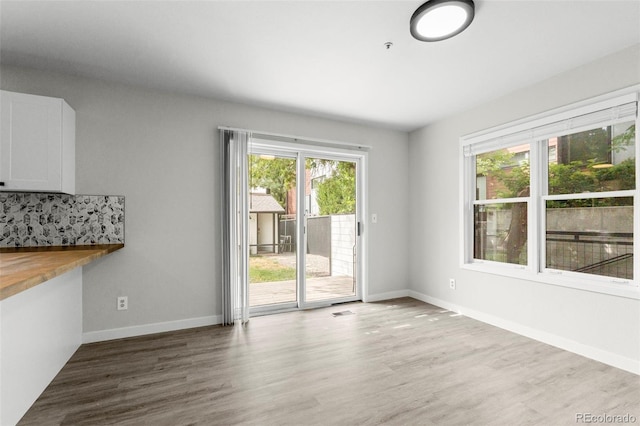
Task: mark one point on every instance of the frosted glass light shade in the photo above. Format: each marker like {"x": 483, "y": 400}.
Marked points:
{"x": 439, "y": 20}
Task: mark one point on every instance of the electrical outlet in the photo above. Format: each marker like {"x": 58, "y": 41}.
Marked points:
{"x": 123, "y": 303}
{"x": 452, "y": 284}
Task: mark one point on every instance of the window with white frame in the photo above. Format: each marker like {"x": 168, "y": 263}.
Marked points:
{"x": 554, "y": 197}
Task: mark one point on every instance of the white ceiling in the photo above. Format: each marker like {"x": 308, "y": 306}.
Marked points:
{"x": 324, "y": 58}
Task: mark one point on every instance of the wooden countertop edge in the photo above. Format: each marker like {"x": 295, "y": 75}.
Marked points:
{"x": 39, "y": 249}
{"x": 39, "y": 278}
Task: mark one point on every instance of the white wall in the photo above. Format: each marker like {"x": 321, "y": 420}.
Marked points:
{"x": 597, "y": 325}
{"x": 40, "y": 329}
{"x": 160, "y": 150}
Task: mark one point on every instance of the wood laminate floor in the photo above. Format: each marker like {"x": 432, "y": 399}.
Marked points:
{"x": 399, "y": 362}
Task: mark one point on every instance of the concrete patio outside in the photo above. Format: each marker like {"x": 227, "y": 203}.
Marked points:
{"x": 318, "y": 288}
{"x": 319, "y": 282}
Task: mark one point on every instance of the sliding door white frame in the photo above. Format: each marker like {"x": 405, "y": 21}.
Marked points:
{"x": 301, "y": 152}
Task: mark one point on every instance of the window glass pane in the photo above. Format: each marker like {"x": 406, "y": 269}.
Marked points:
{"x": 596, "y": 160}
{"x": 503, "y": 173}
{"x": 593, "y": 236}
{"x": 500, "y": 233}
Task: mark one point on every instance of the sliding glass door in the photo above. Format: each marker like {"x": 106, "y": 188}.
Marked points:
{"x": 304, "y": 227}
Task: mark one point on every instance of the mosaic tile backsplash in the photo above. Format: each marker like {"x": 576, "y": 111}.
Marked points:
{"x": 38, "y": 219}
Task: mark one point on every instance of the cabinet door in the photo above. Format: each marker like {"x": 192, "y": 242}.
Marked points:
{"x": 31, "y": 142}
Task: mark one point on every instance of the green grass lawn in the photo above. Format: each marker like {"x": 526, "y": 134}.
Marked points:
{"x": 263, "y": 269}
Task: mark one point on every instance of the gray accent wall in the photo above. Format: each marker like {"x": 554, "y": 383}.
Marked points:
{"x": 161, "y": 151}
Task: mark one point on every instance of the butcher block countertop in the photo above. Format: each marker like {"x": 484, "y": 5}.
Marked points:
{"x": 23, "y": 268}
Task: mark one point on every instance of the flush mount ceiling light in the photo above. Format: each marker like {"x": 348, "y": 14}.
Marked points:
{"x": 439, "y": 20}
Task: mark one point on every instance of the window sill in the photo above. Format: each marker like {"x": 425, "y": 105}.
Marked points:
{"x": 601, "y": 285}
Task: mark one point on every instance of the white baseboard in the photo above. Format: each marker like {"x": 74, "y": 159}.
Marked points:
{"x": 385, "y": 296}
{"x": 141, "y": 330}
{"x": 624, "y": 363}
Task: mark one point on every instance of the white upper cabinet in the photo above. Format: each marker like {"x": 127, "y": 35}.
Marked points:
{"x": 37, "y": 144}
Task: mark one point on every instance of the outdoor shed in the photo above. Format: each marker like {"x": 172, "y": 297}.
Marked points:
{"x": 263, "y": 223}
